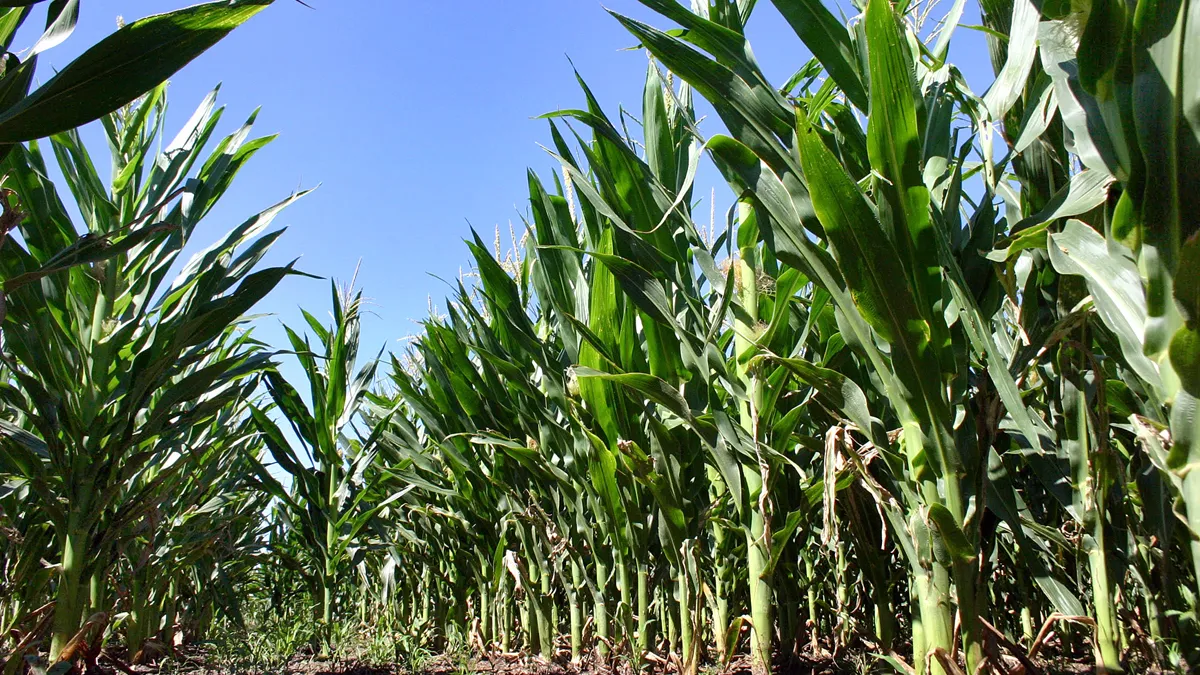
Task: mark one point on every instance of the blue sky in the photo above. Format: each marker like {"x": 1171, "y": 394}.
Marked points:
{"x": 415, "y": 118}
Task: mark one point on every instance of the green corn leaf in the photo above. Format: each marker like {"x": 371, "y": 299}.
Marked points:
{"x": 1038, "y": 115}
{"x": 756, "y": 113}
{"x": 641, "y": 287}
{"x": 837, "y": 392}
{"x": 829, "y": 41}
{"x": 61, "y": 18}
{"x": 1185, "y": 345}
{"x": 895, "y": 150}
{"x": 122, "y": 67}
{"x": 10, "y": 20}
{"x": 651, "y": 387}
{"x": 1081, "y": 113}
{"x": 951, "y": 534}
{"x": 868, "y": 262}
{"x": 1187, "y": 280}
{"x": 1185, "y": 358}
{"x": 1116, "y": 286}
{"x": 747, "y": 174}
{"x": 1022, "y": 51}
{"x": 1100, "y": 46}
{"x": 781, "y": 537}
{"x": 1086, "y": 190}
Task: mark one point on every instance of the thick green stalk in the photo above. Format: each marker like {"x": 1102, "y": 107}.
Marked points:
{"x": 625, "y": 608}
{"x": 935, "y": 628}
{"x": 68, "y": 609}
{"x": 969, "y": 607}
{"x": 135, "y": 626}
{"x": 600, "y": 607}
{"x": 643, "y": 610}
{"x": 885, "y": 621}
{"x": 937, "y": 607}
{"x": 1090, "y": 478}
{"x": 546, "y": 631}
{"x": 97, "y": 592}
{"x": 485, "y": 613}
{"x": 964, "y": 574}
{"x": 576, "y": 588}
{"x": 70, "y": 596}
{"x": 505, "y": 618}
{"x": 916, "y": 600}
{"x": 101, "y": 348}
{"x": 330, "y": 571}
{"x": 152, "y": 620}
{"x": 720, "y": 609}
{"x": 757, "y": 546}
{"x": 362, "y": 606}
{"x": 814, "y": 619}
{"x": 529, "y": 621}
{"x": 555, "y": 619}
{"x": 760, "y": 593}
{"x": 931, "y": 581}
{"x": 720, "y": 601}
{"x": 426, "y": 587}
{"x": 1107, "y": 639}
{"x": 687, "y": 644}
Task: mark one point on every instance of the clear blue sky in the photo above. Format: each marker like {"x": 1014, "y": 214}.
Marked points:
{"x": 415, "y": 119}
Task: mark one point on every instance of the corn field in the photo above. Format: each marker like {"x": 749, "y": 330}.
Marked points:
{"x": 922, "y": 400}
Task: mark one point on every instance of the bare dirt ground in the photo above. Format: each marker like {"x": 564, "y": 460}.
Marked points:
{"x": 195, "y": 663}
{"x": 501, "y": 665}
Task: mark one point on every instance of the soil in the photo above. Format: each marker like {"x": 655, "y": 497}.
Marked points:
{"x": 195, "y": 663}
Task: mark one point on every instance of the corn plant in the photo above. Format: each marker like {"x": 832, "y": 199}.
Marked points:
{"x": 108, "y": 76}
{"x": 928, "y": 385}
{"x": 327, "y": 503}
{"x": 913, "y": 242}
{"x": 875, "y": 304}
{"x": 110, "y": 364}
{"x": 200, "y": 518}
{"x": 1139, "y": 260}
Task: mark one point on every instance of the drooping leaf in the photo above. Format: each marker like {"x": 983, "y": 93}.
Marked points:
{"x": 122, "y": 67}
